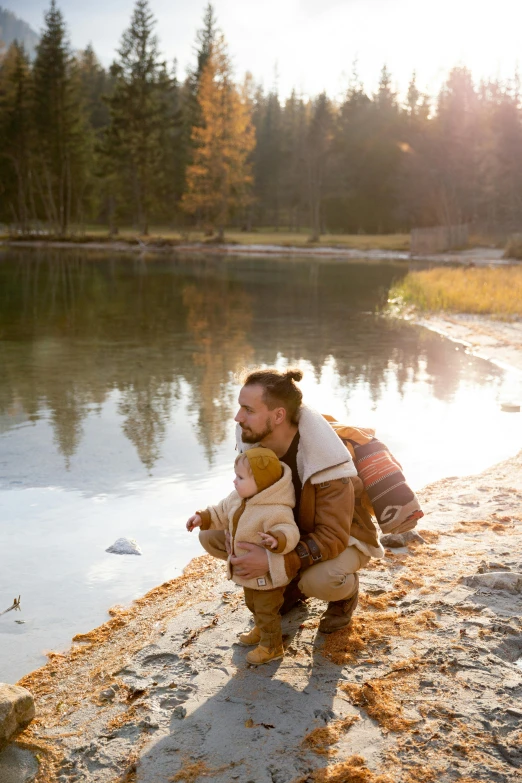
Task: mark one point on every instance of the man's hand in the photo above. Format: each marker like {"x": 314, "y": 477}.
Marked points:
{"x": 251, "y": 565}
{"x": 194, "y": 521}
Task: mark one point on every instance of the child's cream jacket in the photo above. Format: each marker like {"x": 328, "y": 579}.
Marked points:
{"x": 270, "y": 511}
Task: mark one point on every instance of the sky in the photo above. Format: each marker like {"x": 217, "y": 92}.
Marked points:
{"x": 312, "y": 44}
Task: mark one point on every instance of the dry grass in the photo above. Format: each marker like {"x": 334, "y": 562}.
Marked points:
{"x": 430, "y": 536}
{"x": 514, "y": 247}
{"x": 381, "y": 602}
{"x": 499, "y": 525}
{"x": 377, "y": 621}
{"x": 423, "y": 775}
{"x": 373, "y": 630}
{"x": 399, "y": 242}
{"x": 93, "y": 664}
{"x": 321, "y": 739}
{"x": 130, "y": 715}
{"x": 193, "y": 770}
{"x": 496, "y": 292}
{"x": 353, "y": 770}
{"x": 381, "y": 698}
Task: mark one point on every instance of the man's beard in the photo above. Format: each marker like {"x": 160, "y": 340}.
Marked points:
{"x": 250, "y": 436}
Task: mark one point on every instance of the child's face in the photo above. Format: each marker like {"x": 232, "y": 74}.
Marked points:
{"x": 244, "y": 482}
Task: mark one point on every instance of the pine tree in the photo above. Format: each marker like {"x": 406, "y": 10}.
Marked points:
{"x": 268, "y": 158}
{"x": 16, "y": 203}
{"x": 219, "y": 179}
{"x": 413, "y": 96}
{"x": 95, "y": 83}
{"x": 318, "y": 155}
{"x": 500, "y": 146}
{"x": 293, "y": 146}
{"x": 140, "y": 112}
{"x": 415, "y": 181}
{"x": 64, "y": 141}
{"x": 345, "y": 208}
{"x": 383, "y": 156}
{"x": 456, "y": 148}
{"x": 190, "y": 108}
{"x": 206, "y": 38}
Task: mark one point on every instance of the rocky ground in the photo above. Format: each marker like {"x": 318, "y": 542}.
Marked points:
{"x": 425, "y": 685}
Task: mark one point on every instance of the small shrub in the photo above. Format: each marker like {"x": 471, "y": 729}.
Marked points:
{"x": 514, "y": 247}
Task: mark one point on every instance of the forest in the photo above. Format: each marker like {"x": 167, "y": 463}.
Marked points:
{"x": 140, "y": 145}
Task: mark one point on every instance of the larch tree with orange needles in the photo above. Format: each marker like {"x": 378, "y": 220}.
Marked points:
{"x": 219, "y": 178}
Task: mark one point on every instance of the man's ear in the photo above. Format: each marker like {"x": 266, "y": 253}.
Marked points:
{"x": 280, "y": 415}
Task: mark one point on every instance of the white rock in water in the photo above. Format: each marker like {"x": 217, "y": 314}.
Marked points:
{"x": 124, "y": 546}
{"x": 16, "y": 711}
{"x": 497, "y": 580}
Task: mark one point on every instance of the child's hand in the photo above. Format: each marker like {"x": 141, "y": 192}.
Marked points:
{"x": 268, "y": 540}
{"x": 194, "y": 521}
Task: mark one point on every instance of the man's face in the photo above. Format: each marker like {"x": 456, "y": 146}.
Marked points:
{"x": 254, "y": 418}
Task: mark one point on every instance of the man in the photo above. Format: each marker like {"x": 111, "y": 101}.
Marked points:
{"x": 337, "y": 536}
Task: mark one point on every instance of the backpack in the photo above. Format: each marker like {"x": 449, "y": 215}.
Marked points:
{"x": 386, "y": 494}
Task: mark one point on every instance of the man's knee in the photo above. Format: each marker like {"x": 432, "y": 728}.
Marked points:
{"x": 213, "y": 542}
{"x": 334, "y": 580}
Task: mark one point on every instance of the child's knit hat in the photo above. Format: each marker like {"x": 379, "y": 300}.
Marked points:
{"x": 265, "y": 466}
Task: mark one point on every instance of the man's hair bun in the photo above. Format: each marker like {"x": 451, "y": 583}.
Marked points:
{"x": 294, "y": 375}
{"x": 278, "y": 388}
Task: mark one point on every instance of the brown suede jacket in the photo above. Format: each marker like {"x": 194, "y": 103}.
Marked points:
{"x": 331, "y": 515}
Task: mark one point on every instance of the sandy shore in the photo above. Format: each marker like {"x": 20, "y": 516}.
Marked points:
{"x": 425, "y": 685}
{"x": 479, "y": 256}
{"x": 498, "y": 341}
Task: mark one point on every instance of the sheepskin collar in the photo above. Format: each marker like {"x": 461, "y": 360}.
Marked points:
{"x": 321, "y": 455}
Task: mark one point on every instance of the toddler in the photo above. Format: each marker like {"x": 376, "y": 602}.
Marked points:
{"x": 258, "y": 511}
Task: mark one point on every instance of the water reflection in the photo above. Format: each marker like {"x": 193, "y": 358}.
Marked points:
{"x": 75, "y": 328}
{"x": 117, "y": 394}
{"x": 218, "y": 326}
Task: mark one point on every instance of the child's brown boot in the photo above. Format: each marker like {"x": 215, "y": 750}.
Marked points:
{"x": 252, "y": 637}
{"x": 264, "y": 654}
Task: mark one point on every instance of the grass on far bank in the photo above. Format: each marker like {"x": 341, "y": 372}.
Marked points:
{"x": 397, "y": 242}
{"x": 514, "y": 247}
{"x": 492, "y": 291}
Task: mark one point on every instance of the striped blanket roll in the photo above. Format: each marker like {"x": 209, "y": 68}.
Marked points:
{"x": 388, "y": 497}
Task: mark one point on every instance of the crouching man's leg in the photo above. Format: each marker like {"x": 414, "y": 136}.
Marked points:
{"x": 213, "y": 541}
{"x": 337, "y": 582}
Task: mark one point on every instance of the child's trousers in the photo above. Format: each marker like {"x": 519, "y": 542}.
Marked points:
{"x": 265, "y": 606}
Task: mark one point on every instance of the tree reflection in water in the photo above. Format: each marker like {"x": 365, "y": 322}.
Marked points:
{"x": 77, "y": 327}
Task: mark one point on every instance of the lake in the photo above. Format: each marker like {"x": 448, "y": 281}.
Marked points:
{"x": 118, "y": 387}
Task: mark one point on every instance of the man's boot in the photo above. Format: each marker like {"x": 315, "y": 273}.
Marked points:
{"x": 339, "y": 613}
{"x": 291, "y": 596}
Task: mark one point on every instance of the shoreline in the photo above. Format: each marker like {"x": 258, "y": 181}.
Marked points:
{"x": 476, "y": 256}
{"x": 424, "y": 685}
{"x": 499, "y": 342}
{"x": 425, "y": 678}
